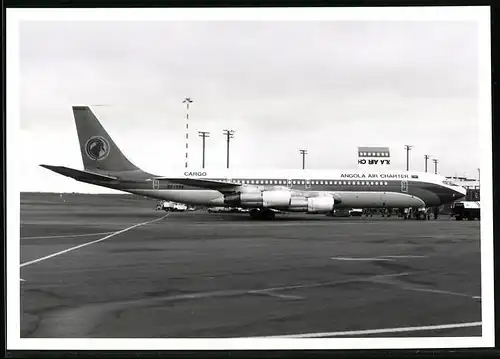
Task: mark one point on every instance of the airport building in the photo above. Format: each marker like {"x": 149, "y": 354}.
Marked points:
{"x": 372, "y": 158}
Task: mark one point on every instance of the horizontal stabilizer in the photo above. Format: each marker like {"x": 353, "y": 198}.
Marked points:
{"x": 207, "y": 184}
{"x": 77, "y": 174}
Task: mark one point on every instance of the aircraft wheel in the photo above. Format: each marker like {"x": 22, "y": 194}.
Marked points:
{"x": 421, "y": 216}
{"x": 458, "y": 218}
{"x": 267, "y": 215}
{"x": 270, "y": 216}
{"x": 255, "y": 214}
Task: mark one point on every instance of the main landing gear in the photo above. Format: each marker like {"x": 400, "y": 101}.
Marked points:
{"x": 415, "y": 213}
{"x": 264, "y": 214}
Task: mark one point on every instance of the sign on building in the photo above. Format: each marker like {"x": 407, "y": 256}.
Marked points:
{"x": 374, "y": 157}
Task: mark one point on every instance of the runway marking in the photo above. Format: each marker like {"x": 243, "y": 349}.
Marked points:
{"x": 403, "y": 256}
{"x": 334, "y": 282}
{"x": 378, "y": 331}
{"x": 68, "y": 235}
{"x": 419, "y": 289}
{"x": 440, "y": 292}
{"x": 361, "y": 259}
{"x": 92, "y": 242}
{"x": 271, "y": 294}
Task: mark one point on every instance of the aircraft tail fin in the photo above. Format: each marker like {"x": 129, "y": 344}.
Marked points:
{"x": 99, "y": 151}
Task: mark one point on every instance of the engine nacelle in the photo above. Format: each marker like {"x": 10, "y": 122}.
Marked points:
{"x": 276, "y": 198}
{"x": 259, "y": 199}
{"x": 323, "y": 204}
{"x": 320, "y": 204}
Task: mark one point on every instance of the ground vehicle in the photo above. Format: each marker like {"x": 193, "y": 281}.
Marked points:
{"x": 356, "y": 212}
{"x": 466, "y": 209}
{"x": 219, "y": 209}
{"x": 171, "y": 207}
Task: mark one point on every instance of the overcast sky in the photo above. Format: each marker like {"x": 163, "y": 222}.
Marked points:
{"x": 327, "y": 87}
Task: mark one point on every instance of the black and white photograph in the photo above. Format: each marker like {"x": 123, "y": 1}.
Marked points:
{"x": 295, "y": 178}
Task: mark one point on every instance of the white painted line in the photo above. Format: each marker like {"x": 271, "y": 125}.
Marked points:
{"x": 409, "y": 256}
{"x": 333, "y": 282}
{"x": 419, "y": 289}
{"x": 69, "y": 235}
{"x": 89, "y": 243}
{"x": 361, "y": 259}
{"x": 477, "y": 297}
{"x": 438, "y": 291}
{"x": 277, "y": 295}
{"x": 379, "y": 331}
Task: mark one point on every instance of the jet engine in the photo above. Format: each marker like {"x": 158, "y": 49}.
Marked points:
{"x": 322, "y": 204}
{"x": 276, "y": 198}
{"x": 264, "y": 199}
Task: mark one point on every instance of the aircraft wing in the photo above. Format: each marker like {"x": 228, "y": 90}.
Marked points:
{"x": 77, "y": 174}
{"x": 207, "y": 184}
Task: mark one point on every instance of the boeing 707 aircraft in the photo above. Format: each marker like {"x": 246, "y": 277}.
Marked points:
{"x": 263, "y": 192}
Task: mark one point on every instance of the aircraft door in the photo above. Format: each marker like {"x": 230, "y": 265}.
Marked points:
{"x": 156, "y": 184}
{"x": 289, "y": 183}
{"x": 404, "y": 186}
{"x": 308, "y": 184}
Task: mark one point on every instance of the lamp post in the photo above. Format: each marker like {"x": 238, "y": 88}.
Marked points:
{"x": 303, "y": 153}
{"x": 426, "y": 158}
{"x": 187, "y": 101}
{"x": 229, "y": 134}
{"x": 408, "y": 148}
{"x": 203, "y": 135}
{"x": 435, "y": 165}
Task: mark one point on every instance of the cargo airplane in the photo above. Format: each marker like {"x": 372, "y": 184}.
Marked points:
{"x": 262, "y": 192}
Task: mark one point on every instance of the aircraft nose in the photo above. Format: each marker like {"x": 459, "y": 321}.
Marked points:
{"x": 460, "y": 192}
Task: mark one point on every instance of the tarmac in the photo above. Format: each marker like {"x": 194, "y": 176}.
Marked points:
{"x": 113, "y": 267}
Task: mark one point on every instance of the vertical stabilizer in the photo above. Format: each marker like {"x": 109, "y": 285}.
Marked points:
{"x": 99, "y": 151}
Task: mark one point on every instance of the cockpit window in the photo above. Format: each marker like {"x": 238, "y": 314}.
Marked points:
{"x": 449, "y": 183}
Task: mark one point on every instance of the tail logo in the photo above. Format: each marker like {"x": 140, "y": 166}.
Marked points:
{"x": 97, "y": 148}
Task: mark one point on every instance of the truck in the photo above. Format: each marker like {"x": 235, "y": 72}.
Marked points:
{"x": 470, "y": 210}
{"x": 168, "y": 206}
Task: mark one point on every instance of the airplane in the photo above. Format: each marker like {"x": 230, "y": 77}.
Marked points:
{"x": 263, "y": 193}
